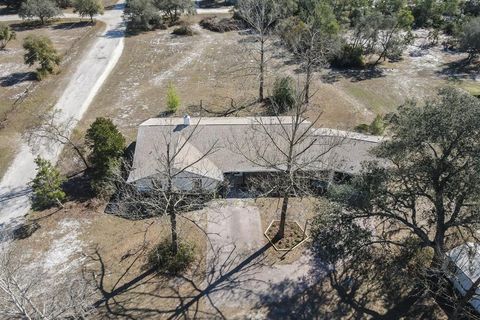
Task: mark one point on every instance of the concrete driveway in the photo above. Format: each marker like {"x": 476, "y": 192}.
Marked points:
{"x": 237, "y": 271}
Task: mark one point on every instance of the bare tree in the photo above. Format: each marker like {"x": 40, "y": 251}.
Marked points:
{"x": 177, "y": 184}
{"x": 288, "y": 148}
{"x": 312, "y": 41}
{"x": 31, "y": 294}
{"x": 52, "y": 129}
{"x": 260, "y": 15}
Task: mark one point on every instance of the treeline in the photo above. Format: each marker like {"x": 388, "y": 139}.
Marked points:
{"x": 45, "y": 10}
{"x": 154, "y": 14}
{"x": 368, "y": 31}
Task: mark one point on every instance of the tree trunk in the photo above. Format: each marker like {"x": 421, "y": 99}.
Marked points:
{"x": 262, "y": 70}
{"x": 307, "y": 83}
{"x": 171, "y": 212}
{"x": 283, "y": 217}
{"x": 80, "y": 154}
{"x": 173, "y": 225}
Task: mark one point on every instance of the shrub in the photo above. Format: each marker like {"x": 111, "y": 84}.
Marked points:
{"x": 40, "y": 49}
{"x": 47, "y": 186}
{"x": 346, "y": 194}
{"x": 64, "y": 3}
{"x": 377, "y": 127}
{"x": 283, "y": 97}
{"x": 6, "y": 35}
{"x": 89, "y": 8}
{"x": 41, "y": 9}
{"x": 362, "y": 128}
{"x": 183, "y": 31}
{"x": 107, "y": 145}
{"x": 348, "y": 57}
{"x": 164, "y": 261}
{"x": 470, "y": 38}
{"x": 173, "y": 100}
{"x": 172, "y": 9}
{"x": 143, "y": 15}
{"x": 222, "y": 25}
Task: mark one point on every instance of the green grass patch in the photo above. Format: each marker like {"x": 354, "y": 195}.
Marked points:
{"x": 471, "y": 87}
{"x": 371, "y": 95}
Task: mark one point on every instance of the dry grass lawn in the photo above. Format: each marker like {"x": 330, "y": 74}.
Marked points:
{"x": 213, "y": 68}
{"x": 80, "y": 237}
{"x": 207, "y": 67}
{"x": 22, "y": 98}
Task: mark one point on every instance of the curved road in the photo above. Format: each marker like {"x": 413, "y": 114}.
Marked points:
{"x": 87, "y": 79}
{"x": 85, "y": 82}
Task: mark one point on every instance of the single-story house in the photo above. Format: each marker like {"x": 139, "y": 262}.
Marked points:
{"x": 465, "y": 266}
{"x": 209, "y": 152}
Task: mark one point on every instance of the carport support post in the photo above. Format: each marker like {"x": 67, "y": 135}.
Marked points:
{"x": 331, "y": 178}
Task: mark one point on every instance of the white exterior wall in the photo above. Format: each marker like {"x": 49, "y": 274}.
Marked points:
{"x": 184, "y": 181}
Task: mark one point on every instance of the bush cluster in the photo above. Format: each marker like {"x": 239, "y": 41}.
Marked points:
{"x": 173, "y": 100}
{"x": 283, "y": 97}
{"x": 184, "y": 30}
{"x": 377, "y": 127}
{"x": 220, "y": 25}
{"x": 163, "y": 260}
{"x": 348, "y": 57}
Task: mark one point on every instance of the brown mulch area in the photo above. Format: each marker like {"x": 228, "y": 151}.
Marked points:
{"x": 293, "y": 235}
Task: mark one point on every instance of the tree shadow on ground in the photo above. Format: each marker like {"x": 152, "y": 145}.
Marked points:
{"x": 460, "y": 70}
{"x": 186, "y": 296}
{"x": 354, "y": 75}
{"x": 78, "y": 188}
{"x": 300, "y": 300}
{"x": 71, "y": 25}
{"x": 8, "y": 10}
{"x": 210, "y": 4}
{"x": 313, "y": 297}
{"x": 17, "y": 78}
{"x": 30, "y": 25}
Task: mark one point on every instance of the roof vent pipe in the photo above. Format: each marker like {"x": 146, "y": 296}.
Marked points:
{"x": 186, "y": 120}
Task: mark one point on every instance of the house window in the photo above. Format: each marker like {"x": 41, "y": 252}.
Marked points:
{"x": 197, "y": 184}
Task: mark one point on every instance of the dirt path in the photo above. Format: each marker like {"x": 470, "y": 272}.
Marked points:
{"x": 85, "y": 82}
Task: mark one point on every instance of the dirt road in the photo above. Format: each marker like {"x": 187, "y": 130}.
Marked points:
{"x": 85, "y": 82}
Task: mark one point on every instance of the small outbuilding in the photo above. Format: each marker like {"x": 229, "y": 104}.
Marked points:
{"x": 465, "y": 266}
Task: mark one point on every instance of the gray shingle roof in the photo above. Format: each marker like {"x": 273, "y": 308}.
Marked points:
{"x": 236, "y": 141}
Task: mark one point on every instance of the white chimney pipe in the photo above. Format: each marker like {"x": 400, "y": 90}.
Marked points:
{"x": 186, "y": 120}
